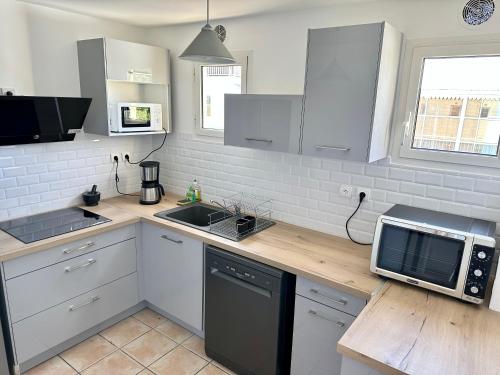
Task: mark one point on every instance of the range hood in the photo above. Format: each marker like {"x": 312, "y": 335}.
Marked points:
{"x": 37, "y": 119}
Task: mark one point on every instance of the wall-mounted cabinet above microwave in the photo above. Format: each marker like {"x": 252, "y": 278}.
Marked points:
{"x": 116, "y": 71}
{"x": 346, "y": 109}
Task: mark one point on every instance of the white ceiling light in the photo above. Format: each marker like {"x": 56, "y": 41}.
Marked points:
{"x": 207, "y": 47}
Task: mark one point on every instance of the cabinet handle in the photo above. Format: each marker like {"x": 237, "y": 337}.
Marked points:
{"x": 336, "y": 148}
{"x": 337, "y": 322}
{"x": 91, "y": 300}
{"x": 165, "y": 237}
{"x": 259, "y": 140}
{"x": 83, "y": 247}
{"x": 78, "y": 266}
{"x": 340, "y": 301}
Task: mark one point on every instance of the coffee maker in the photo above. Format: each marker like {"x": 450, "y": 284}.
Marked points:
{"x": 151, "y": 189}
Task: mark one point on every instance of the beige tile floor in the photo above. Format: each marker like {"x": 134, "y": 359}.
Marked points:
{"x": 145, "y": 343}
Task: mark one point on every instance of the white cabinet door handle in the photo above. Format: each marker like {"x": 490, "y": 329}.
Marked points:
{"x": 340, "y": 301}
{"x": 90, "y": 301}
{"x": 83, "y": 247}
{"x": 165, "y": 237}
{"x": 259, "y": 140}
{"x": 78, "y": 266}
{"x": 337, "y": 322}
{"x": 335, "y": 148}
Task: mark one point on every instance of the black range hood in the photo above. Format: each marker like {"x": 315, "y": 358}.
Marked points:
{"x": 39, "y": 119}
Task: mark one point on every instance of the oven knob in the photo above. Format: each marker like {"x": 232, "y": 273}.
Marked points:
{"x": 478, "y": 273}
{"x": 474, "y": 289}
{"x": 481, "y": 255}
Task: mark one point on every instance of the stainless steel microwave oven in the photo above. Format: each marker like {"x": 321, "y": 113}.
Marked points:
{"x": 135, "y": 117}
{"x": 446, "y": 253}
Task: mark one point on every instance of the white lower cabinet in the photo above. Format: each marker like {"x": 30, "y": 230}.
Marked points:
{"x": 43, "y": 331}
{"x": 173, "y": 274}
{"x": 322, "y": 315}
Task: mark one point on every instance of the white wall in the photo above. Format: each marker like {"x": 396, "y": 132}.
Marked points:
{"x": 305, "y": 190}
{"x": 38, "y": 56}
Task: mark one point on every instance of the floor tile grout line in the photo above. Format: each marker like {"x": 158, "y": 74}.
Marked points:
{"x": 62, "y": 359}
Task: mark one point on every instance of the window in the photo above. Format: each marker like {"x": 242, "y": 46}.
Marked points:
{"x": 453, "y": 105}
{"x": 213, "y": 82}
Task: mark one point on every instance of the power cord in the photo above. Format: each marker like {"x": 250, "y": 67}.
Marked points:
{"x": 117, "y": 179}
{"x": 127, "y": 157}
{"x": 362, "y": 196}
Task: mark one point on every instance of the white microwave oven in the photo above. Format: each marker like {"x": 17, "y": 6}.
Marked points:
{"x": 135, "y": 117}
{"x": 446, "y": 253}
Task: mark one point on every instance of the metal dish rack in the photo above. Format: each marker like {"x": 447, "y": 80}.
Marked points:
{"x": 223, "y": 222}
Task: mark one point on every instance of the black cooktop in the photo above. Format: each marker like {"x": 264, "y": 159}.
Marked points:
{"x": 39, "y": 227}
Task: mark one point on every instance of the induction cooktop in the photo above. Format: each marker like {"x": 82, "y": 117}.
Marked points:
{"x": 50, "y": 224}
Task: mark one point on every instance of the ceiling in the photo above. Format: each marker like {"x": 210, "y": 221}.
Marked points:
{"x": 170, "y": 12}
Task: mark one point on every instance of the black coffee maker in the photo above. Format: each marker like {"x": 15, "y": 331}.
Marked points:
{"x": 151, "y": 189}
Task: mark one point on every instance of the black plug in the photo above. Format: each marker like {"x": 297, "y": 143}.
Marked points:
{"x": 115, "y": 158}
{"x": 127, "y": 158}
{"x": 362, "y": 195}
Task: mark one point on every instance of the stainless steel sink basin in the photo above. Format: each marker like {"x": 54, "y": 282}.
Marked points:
{"x": 196, "y": 215}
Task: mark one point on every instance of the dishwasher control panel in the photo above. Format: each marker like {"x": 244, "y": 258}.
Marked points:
{"x": 242, "y": 272}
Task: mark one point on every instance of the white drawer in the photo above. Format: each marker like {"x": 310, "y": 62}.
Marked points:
{"x": 317, "y": 329}
{"x": 31, "y": 262}
{"x": 331, "y": 297}
{"x": 51, "y": 327}
{"x": 33, "y": 292}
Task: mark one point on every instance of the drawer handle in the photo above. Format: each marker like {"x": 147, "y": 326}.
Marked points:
{"x": 78, "y": 266}
{"x": 336, "y": 148}
{"x": 165, "y": 237}
{"x": 90, "y": 301}
{"x": 83, "y": 247}
{"x": 341, "y": 301}
{"x": 337, "y": 322}
{"x": 259, "y": 140}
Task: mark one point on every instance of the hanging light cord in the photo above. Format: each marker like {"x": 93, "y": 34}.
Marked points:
{"x": 208, "y": 14}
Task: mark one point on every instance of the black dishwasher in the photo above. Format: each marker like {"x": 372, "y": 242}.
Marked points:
{"x": 248, "y": 314}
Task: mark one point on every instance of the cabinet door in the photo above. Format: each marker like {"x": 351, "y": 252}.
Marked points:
{"x": 340, "y": 88}
{"x": 317, "y": 328}
{"x": 134, "y": 62}
{"x": 173, "y": 274}
{"x": 265, "y": 122}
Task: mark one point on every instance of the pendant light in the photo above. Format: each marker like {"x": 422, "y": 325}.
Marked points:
{"x": 207, "y": 47}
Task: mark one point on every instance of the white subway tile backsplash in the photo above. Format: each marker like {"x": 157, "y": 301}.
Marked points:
{"x": 14, "y": 171}
{"x": 302, "y": 194}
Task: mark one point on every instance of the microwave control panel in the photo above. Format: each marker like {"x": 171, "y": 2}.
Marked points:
{"x": 479, "y": 271}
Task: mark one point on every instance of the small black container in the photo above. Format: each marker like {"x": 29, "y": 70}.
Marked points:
{"x": 251, "y": 222}
{"x": 92, "y": 197}
{"x": 242, "y": 226}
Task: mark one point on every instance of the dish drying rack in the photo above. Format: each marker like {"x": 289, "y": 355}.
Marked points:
{"x": 237, "y": 206}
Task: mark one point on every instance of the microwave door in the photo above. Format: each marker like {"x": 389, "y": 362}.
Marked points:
{"x": 421, "y": 256}
{"x": 136, "y": 117}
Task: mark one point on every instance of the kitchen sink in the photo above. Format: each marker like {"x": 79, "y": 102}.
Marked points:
{"x": 196, "y": 215}
{"x": 213, "y": 220}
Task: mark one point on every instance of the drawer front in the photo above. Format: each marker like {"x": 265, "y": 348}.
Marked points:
{"x": 331, "y": 297}
{"x": 317, "y": 328}
{"x": 39, "y": 290}
{"x": 28, "y": 263}
{"x": 51, "y": 327}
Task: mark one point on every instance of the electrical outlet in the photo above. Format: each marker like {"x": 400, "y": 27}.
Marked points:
{"x": 346, "y": 191}
{"x": 366, "y": 191}
{"x": 7, "y": 91}
{"x": 112, "y": 157}
{"x": 124, "y": 156}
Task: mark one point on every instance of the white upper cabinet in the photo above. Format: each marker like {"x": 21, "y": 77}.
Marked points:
{"x": 350, "y": 84}
{"x": 134, "y": 62}
{"x": 266, "y": 122}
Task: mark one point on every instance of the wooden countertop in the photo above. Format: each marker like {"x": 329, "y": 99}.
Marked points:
{"x": 408, "y": 330}
{"x": 326, "y": 259}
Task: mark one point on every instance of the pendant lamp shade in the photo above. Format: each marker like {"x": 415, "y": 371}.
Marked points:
{"x": 207, "y": 47}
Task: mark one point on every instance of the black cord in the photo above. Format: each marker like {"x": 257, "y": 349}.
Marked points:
{"x": 117, "y": 179}
{"x": 362, "y": 196}
{"x": 148, "y": 155}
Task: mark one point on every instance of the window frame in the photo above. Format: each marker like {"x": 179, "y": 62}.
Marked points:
{"x": 414, "y": 63}
{"x": 242, "y": 58}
